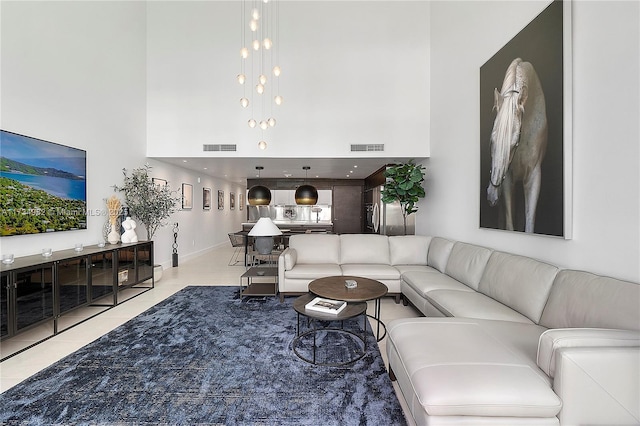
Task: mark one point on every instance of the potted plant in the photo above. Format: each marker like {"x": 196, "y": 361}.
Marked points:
{"x": 149, "y": 202}
{"x": 404, "y": 185}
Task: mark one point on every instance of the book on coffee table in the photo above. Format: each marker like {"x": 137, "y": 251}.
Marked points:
{"x": 326, "y": 305}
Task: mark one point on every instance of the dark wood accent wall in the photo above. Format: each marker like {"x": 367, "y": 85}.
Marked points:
{"x": 347, "y": 209}
{"x": 375, "y": 179}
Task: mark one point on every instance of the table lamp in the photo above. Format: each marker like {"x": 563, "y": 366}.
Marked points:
{"x": 264, "y": 230}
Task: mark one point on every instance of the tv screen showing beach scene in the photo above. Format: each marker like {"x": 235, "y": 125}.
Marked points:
{"x": 42, "y": 186}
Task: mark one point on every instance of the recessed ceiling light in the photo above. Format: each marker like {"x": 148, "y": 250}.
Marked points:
{"x": 355, "y": 166}
{"x": 206, "y": 169}
{"x": 350, "y": 171}
{"x": 184, "y": 161}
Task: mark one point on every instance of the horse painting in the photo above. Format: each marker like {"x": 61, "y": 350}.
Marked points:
{"x": 518, "y": 141}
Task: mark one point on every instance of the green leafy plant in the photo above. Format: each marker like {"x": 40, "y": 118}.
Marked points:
{"x": 404, "y": 185}
{"x": 149, "y": 202}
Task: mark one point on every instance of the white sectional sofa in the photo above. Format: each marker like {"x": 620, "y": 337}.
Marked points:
{"x": 506, "y": 339}
{"x": 509, "y": 340}
{"x": 378, "y": 257}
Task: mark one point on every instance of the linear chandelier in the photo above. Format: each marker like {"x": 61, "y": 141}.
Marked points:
{"x": 259, "y": 64}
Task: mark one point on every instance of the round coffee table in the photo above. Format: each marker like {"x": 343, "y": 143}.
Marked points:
{"x": 351, "y": 311}
{"x": 367, "y": 289}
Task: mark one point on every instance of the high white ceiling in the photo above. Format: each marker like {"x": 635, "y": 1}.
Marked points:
{"x": 354, "y": 73}
{"x": 240, "y": 169}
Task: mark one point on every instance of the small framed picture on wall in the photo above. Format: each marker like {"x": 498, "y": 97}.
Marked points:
{"x": 232, "y": 201}
{"x": 206, "y": 198}
{"x": 220, "y": 200}
{"x": 187, "y": 196}
{"x": 159, "y": 182}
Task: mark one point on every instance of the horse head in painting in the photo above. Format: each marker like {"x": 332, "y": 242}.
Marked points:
{"x": 518, "y": 141}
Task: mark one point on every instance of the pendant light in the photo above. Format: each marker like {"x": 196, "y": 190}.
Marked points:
{"x": 306, "y": 195}
{"x": 260, "y": 69}
{"x": 259, "y": 195}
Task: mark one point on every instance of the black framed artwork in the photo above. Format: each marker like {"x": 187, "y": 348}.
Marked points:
{"x": 206, "y": 198}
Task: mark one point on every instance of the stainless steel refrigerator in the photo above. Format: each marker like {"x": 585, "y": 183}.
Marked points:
{"x": 385, "y": 219}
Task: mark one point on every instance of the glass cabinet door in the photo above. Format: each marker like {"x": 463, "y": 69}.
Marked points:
{"x": 34, "y": 296}
{"x": 145, "y": 262}
{"x": 4, "y": 305}
{"x": 126, "y": 266}
{"x": 73, "y": 285}
{"x": 101, "y": 275}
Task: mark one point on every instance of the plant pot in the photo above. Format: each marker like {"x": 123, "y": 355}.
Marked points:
{"x": 157, "y": 273}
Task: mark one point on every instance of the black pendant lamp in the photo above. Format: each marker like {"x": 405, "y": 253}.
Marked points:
{"x": 259, "y": 195}
{"x": 306, "y": 195}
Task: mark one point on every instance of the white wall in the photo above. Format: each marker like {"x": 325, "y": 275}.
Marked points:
{"x": 75, "y": 73}
{"x": 353, "y": 72}
{"x": 606, "y": 149}
{"x": 198, "y": 229}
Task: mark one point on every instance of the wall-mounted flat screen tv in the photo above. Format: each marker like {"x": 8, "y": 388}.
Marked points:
{"x": 42, "y": 186}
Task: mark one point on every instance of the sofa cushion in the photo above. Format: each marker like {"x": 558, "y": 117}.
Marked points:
{"x": 364, "y": 248}
{"x": 467, "y": 262}
{"x": 439, "y": 250}
{"x": 316, "y": 248}
{"x": 582, "y": 299}
{"x": 409, "y": 249}
{"x": 492, "y": 378}
{"x": 414, "y": 268}
{"x": 520, "y": 282}
{"x": 374, "y": 272}
{"x": 313, "y": 271}
{"x": 423, "y": 282}
{"x": 471, "y": 304}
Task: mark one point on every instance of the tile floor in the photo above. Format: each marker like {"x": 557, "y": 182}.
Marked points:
{"x": 210, "y": 268}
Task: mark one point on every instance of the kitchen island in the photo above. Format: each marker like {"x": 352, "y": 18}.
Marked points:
{"x": 296, "y": 226}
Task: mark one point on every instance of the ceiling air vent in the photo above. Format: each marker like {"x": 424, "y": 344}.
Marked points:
{"x": 367, "y": 147}
{"x": 219, "y": 147}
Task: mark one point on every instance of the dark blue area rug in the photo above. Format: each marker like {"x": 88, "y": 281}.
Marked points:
{"x": 205, "y": 357}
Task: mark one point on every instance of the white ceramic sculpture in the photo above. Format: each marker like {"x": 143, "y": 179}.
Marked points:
{"x": 129, "y": 235}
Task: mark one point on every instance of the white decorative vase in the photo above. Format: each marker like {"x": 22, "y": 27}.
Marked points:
{"x": 114, "y": 234}
{"x": 157, "y": 272}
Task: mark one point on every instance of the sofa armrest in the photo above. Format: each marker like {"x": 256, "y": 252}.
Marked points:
{"x": 288, "y": 258}
{"x": 598, "y": 386}
{"x": 551, "y": 341}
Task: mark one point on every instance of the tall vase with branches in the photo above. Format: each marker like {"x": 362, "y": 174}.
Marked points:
{"x": 150, "y": 203}
{"x": 404, "y": 185}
